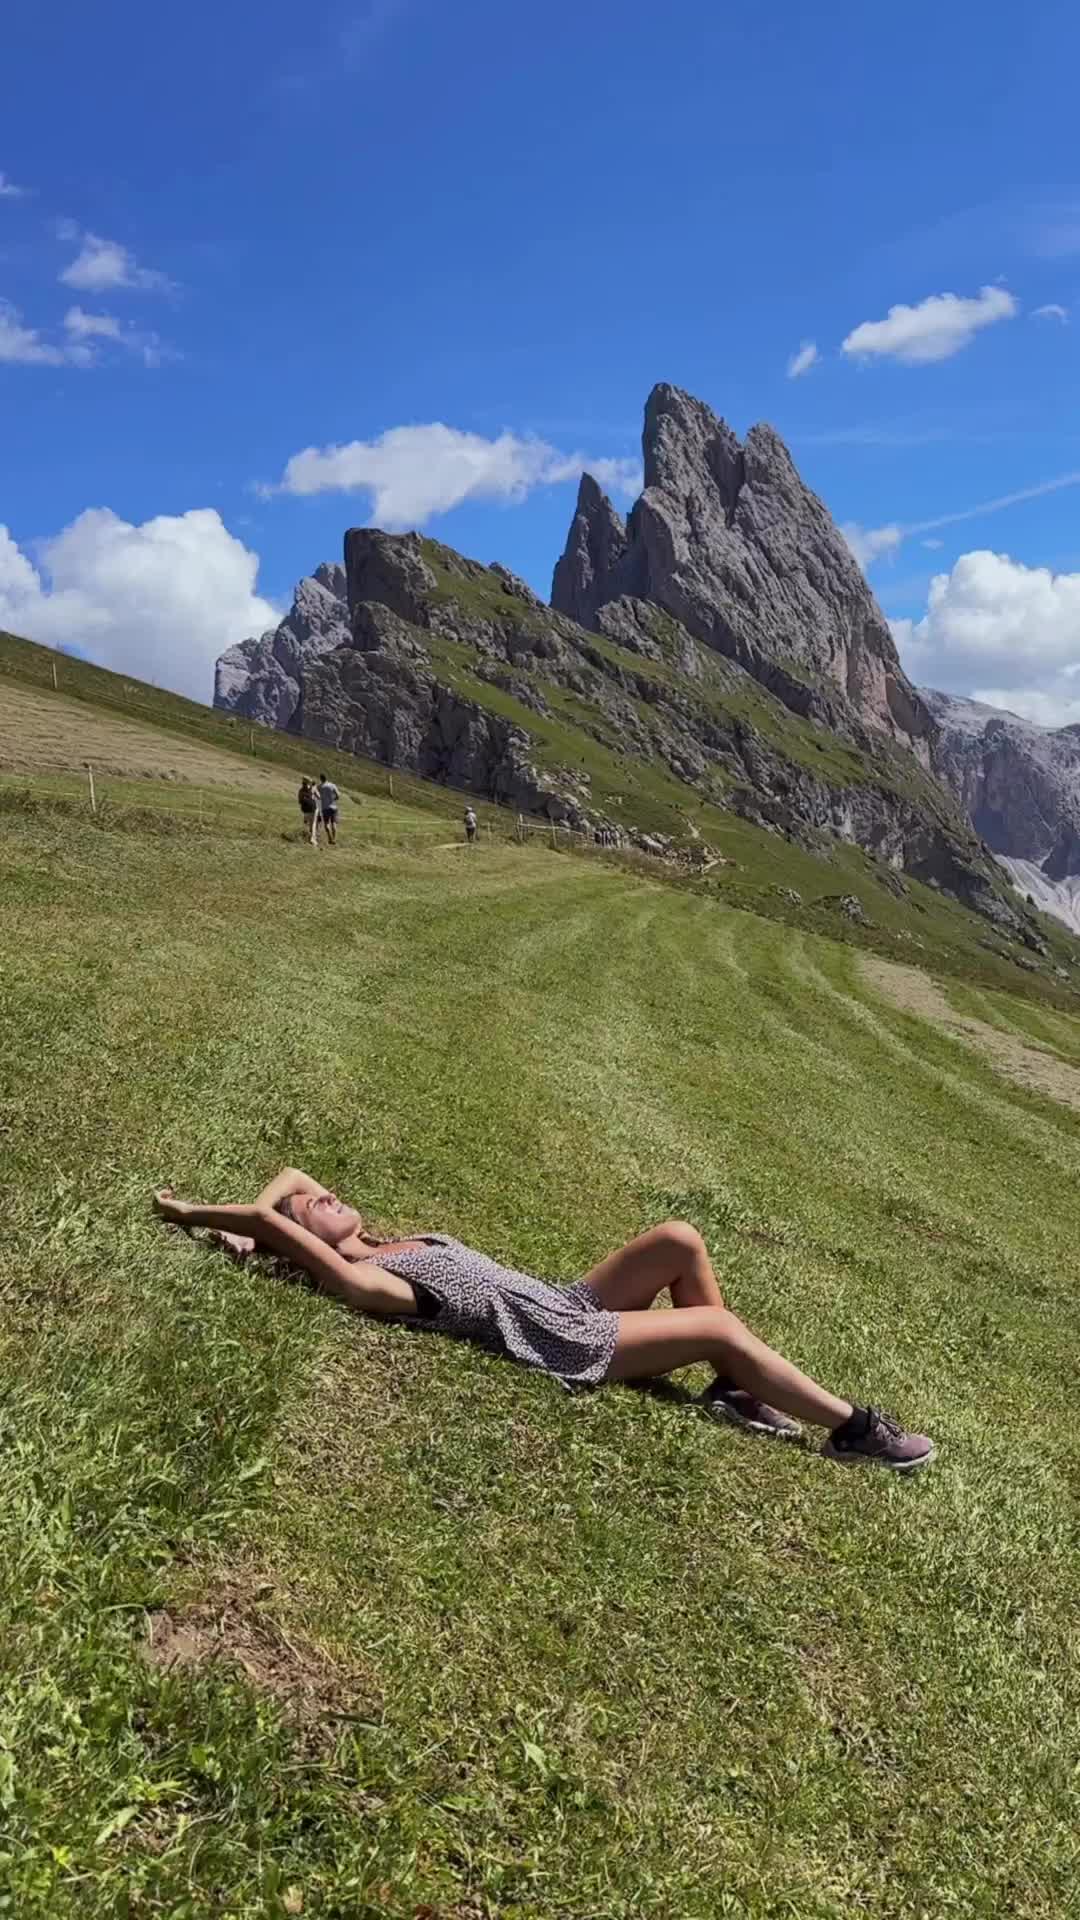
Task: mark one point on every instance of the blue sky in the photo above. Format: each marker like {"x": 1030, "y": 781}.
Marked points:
{"x": 231, "y": 234}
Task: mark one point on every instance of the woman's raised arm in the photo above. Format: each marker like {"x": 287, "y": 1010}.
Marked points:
{"x": 359, "y": 1283}
{"x": 289, "y": 1181}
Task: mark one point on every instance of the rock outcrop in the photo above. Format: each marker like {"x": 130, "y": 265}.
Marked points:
{"x": 720, "y": 648}
{"x": 1019, "y": 785}
{"x": 728, "y": 539}
{"x": 262, "y": 678}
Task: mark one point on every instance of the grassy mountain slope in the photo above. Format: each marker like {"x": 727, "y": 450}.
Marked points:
{"x": 480, "y": 1648}
{"x": 155, "y": 752}
{"x": 660, "y": 688}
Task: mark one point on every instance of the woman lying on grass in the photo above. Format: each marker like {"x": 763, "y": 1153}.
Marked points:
{"x": 598, "y": 1329}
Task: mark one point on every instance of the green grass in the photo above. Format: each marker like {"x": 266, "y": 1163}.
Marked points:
{"x": 26, "y": 664}
{"x": 592, "y": 1656}
{"x": 178, "y": 734}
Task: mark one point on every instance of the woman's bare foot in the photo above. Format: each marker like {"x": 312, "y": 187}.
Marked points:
{"x": 170, "y": 1208}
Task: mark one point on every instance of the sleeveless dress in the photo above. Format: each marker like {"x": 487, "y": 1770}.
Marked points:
{"x": 564, "y": 1331}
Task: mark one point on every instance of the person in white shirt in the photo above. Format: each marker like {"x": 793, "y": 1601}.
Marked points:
{"x": 328, "y": 803}
{"x": 470, "y": 825}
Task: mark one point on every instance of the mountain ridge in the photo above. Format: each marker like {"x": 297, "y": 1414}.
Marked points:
{"x": 749, "y": 670}
{"x": 1019, "y": 784}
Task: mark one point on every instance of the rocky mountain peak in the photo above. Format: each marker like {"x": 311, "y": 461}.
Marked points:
{"x": 595, "y": 546}
{"x": 727, "y": 538}
{"x": 261, "y": 677}
{"x": 1019, "y": 785}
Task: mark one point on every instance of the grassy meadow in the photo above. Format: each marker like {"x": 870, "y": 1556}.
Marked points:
{"x": 304, "y": 1614}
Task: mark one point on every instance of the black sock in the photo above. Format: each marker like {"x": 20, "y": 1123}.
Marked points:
{"x": 855, "y": 1426}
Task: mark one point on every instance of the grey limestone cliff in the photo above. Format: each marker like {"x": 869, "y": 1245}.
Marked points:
{"x": 261, "y": 678}
{"x": 1019, "y": 785}
{"x": 728, "y": 539}
{"x": 721, "y": 650}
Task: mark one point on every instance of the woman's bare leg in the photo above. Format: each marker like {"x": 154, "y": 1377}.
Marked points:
{"x": 655, "y": 1343}
{"x": 674, "y": 1257}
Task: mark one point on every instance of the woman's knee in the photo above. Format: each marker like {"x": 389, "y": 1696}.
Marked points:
{"x": 680, "y": 1237}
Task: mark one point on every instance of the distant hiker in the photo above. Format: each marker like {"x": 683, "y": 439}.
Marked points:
{"x": 328, "y": 802}
{"x": 308, "y": 797}
{"x": 470, "y": 825}
{"x": 595, "y": 1330}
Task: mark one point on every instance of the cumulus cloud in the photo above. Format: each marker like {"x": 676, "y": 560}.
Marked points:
{"x": 413, "y": 473}
{"x": 801, "y": 362}
{"x": 1052, "y": 311}
{"x": 1002, "y": 632}
{"x": 159, "y": 601}
{"x": 9, "y": 191}
{"x": 101, "y": 264}
{"x": 869, "y": 543}
{"x": 937, "y": 328}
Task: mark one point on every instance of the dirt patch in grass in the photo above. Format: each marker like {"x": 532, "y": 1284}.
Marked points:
{"x": 44, "y": 732}
{"x": 229, "y": 1625}
{"x": 1030, "y": 1067}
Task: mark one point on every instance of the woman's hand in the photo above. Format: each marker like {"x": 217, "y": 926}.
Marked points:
{"x": 176, "y": 1212}
{"x": 238, "y": 1246}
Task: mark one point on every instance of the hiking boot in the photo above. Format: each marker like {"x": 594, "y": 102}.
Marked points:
{"x": 874, "y": 1436}
{"x": 723, "y": 1401}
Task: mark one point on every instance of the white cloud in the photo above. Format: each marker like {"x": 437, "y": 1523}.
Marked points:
{"x": 413, "y": 473}
{"x": 9, "y": 191}
{"x": 933, "y": 545}
{"x": 1051, "y": 311}
{"x": 24, "y": 346}
{"x": 160, "y": 601}
{"x": 934, "y": 330}
{"x": 801, "y": 362}
{"x": 100, "y": 264}
{"x": 84, "y": 327}
{"x": 1002, "y": 632}
{"x": 869, "y": 543}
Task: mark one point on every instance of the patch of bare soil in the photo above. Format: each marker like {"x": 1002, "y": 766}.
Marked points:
{"x": 1030, "y": 1067}
{"x": 229, "y": 1625}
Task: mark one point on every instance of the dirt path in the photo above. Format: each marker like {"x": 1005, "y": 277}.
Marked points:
{"x": 1028, "y": 1066}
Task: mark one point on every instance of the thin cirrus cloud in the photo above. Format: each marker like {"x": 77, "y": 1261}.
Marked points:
{"x": 940, "y": 326}
{"x": 9, "y": 191}
{"x": 802, "y": 361}
{"x": 103, "y": 265}
{"x": 869, "y": 543}
{"x": 1053, "y": 310}
{"x": 414, "y": 473}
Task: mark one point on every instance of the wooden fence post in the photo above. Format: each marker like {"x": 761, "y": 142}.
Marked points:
{"x": 93, "y": 796}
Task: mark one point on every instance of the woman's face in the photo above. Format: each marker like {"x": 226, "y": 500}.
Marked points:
{"x": 324, "y": 1215}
